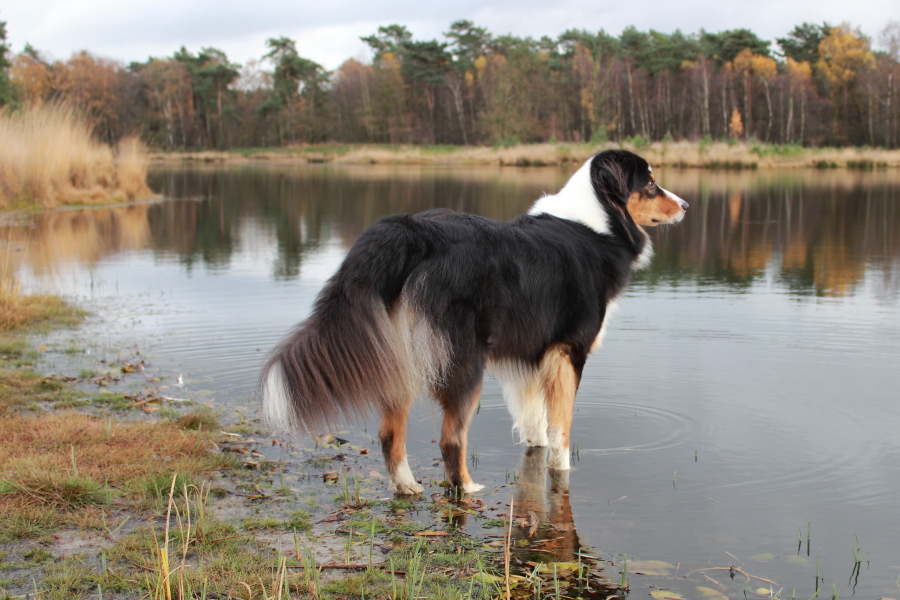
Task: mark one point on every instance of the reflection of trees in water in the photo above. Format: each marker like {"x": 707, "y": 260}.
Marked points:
{"x": 819, "y": 234}
{"x": 818, "y": 240}
{"x": 302, "y": 208}
{"x": 57, "y": 238}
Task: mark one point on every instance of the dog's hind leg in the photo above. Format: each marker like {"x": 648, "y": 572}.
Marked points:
{"x": 393, "y": 446}
{"x": 458, "y": 412}
{"x": 524, "y": 398}
{"x": 559, "y": 380}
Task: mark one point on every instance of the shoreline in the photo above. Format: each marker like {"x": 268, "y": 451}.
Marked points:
{"x": 273, "y": 513}
{"x": 250, "y": 507}
{"x": 683, "y": 154}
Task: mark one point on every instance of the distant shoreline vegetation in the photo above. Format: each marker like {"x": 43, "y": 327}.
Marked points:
{"x": 48, "y": 157}
{"x": 703, "y": 154}
{"x": 825, "y": 85}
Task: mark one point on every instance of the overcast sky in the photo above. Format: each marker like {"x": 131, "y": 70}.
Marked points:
{"x": 328, "y": 31}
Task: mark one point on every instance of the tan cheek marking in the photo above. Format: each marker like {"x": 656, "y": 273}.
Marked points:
{"x": 640, "y": 209}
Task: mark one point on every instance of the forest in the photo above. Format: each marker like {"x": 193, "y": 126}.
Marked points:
{"x": 819, "y": 85}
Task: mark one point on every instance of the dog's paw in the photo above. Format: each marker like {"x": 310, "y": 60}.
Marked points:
{"x": 407, "y": 488}
{"x": 471, "y": 488}
{"x": 559, "y": 460}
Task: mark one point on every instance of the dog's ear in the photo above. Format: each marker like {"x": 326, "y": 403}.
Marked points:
{"x": 611, "y": 175}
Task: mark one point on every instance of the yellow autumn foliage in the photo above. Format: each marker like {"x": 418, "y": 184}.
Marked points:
{"x": 844, "y": 53}
{"x": 799, "y": 70}
{"x": 762, "y": 66}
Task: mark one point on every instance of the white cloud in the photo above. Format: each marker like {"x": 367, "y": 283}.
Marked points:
{"x": 329, "y": 32}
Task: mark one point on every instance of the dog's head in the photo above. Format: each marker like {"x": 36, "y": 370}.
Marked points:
{"x": 624, "y": 182}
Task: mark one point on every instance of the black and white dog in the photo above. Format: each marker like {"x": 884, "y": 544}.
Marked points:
{"x": 426, "y": 303}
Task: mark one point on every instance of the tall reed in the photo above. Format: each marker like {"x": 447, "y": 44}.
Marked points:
{"x": 48, "y": 157}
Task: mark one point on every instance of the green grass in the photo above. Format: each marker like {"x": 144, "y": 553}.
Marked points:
{"x": 298, "y": 521}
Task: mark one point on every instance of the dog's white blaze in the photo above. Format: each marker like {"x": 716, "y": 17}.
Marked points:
{"x": 402, "y": 481}
{"x": 524, "y": 400}
{"x": 276, "y": 404}
{"x": 577, "y": 201}
{"x": 681, "y": 203}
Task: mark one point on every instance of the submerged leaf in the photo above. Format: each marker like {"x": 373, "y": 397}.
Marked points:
{"x": 650, "y": 567}
{"x": 666, "y": 594}
{"x": 764, "y": 557}
{"x": 711, "y": 594}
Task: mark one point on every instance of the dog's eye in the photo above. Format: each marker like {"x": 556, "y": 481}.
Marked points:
{"x": 651, "y": 184}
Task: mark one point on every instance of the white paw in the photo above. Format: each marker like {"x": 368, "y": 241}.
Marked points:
{"x": 471, "y": 488}
{"x": 534, "y": 437}
{"x": 559, "y": 459}
{"x": 406, "y": 488}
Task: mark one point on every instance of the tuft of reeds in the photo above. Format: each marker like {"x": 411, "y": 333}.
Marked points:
{"x": 49, "y": 157}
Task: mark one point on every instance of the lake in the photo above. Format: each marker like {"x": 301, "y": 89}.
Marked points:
{"x": 743, "y": 409}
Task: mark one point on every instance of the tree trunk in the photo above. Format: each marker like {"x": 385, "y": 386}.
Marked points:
{"x": 630, "y": 95}
{"x": 802, "y": 115}
{"x": 219, "y": 107}
{"x": 887, "y": 111}
{"x": 724, "y": 107}
{"x": 769, "y": 105}
{"x": 704, "y": 106}
{"x": 748, "y": 132}
{"x": 789, "y": 126}
{"x": 454, "y": 84}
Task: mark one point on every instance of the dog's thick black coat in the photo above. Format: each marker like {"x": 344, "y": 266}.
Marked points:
{"x": 427, "y": 302}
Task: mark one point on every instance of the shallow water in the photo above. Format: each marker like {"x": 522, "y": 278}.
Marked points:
{"x": 747, "y": 389}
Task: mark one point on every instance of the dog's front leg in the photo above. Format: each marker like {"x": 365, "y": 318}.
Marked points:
{"x": 559, "y": 380}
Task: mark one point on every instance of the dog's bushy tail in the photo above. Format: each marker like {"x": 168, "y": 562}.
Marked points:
{"x": 352, "y": 356}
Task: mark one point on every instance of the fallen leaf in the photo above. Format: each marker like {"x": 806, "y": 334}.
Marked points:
{"x": 560, "y": 567}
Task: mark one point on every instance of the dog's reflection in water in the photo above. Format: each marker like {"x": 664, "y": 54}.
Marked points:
{"x": 543, "y": 515}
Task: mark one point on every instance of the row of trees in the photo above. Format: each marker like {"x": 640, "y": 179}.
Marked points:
{"x": 823, "y": 86}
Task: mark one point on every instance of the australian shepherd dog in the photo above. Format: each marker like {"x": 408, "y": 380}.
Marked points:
{"x": 426, "y": 303}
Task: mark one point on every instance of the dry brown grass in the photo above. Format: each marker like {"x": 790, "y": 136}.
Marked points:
{"x": 48, "y": 157}
{"x": 18, "y": 311}
{"x": 63, "y": 468}
{"x": 681, "y": 154}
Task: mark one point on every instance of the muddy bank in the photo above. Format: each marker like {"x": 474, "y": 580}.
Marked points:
{"x": 219, "y": 507}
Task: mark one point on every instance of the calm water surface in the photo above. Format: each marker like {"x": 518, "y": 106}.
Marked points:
{"x": 747, "y": 389}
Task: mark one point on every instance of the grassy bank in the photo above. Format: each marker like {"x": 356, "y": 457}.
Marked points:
{"x": 702, "y": 154}
{"x": 110, "y": 494}
{"x": 106, "y": 494}
{"x": 48, "y": 158}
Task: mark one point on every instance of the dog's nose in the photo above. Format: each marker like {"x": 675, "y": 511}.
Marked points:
{"x": 684, "y": 205}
